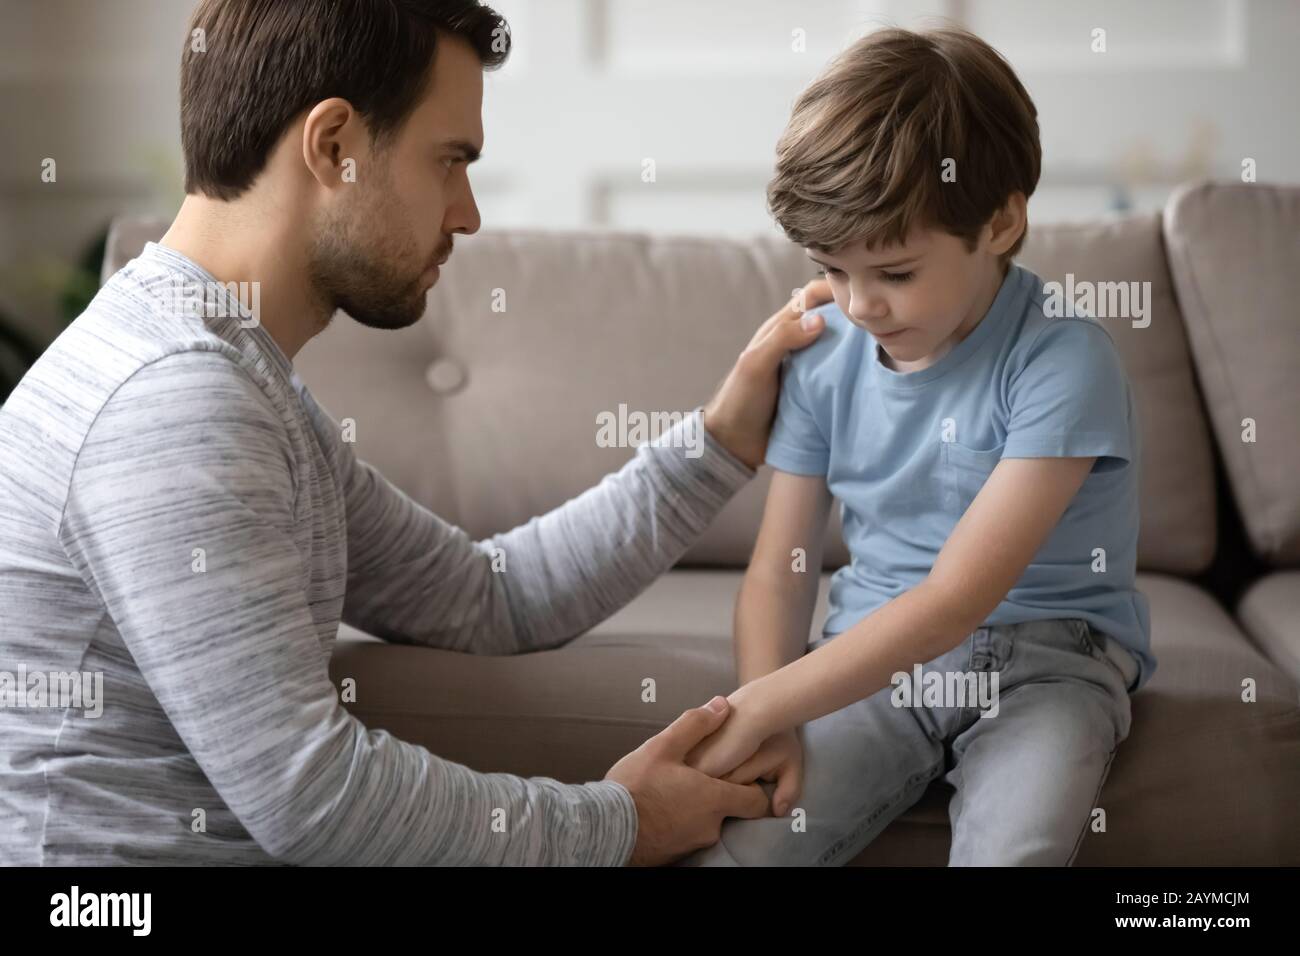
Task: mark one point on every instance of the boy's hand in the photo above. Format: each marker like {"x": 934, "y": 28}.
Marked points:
{"x": 730, "y": 745}
{"x": 740, "y": 413}
{"x": 779, "y": 760}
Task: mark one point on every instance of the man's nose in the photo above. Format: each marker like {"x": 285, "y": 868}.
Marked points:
{"x": 462, "y": 213}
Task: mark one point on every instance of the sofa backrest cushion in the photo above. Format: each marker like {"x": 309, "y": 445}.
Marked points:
{"x": 1234, "y": 250}
{"x": 491, "y": 417}
{"x": 1179, "y": 532}
{"x": 486, "y": 411}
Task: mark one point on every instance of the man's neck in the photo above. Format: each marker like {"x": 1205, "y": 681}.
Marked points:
{"x": 236, "y": 243}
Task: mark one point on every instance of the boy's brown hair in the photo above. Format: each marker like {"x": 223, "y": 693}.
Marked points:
{"x": 262, "y": 62}
{"x": 863, "y": 155}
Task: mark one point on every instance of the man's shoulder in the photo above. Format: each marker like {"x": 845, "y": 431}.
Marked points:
{"x": 109, "y": 348}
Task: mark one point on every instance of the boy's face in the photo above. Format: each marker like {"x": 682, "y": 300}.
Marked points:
{"x": 918, "y": 299}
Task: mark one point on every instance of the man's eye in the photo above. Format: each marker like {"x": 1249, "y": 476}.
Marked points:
{"x": 830, "y": 273}
{"x": 898, "y": 276}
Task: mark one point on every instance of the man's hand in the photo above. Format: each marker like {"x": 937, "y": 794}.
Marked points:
{"x": 740, "y": 414}
{"x": 678, "y": 808}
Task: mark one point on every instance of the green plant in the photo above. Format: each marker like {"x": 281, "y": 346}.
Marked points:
{"x": 73, "y": 286}
{"x": 17, "y": 353}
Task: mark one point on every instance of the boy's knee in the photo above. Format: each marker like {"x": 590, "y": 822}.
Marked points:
{"x": 766, "y": 841}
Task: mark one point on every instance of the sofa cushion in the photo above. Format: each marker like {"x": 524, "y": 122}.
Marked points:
{"x": 1178, "y": 533}
{"x": 489, "y": 417}
{"x": 1270, "y": 613}
{"x": 1203, "y": 778}
{"x": 506, "y": 427}
{"x": 1234, "y": 249}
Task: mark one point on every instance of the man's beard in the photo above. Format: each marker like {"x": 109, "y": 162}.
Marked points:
{"x": 363, "y": 275}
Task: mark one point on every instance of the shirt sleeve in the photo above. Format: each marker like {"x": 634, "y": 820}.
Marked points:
{"x": 181, "y": 518}
{"x": 1070, "y": 397}
{"x": 415, "y": 578}
{"x": 797, "y": 444}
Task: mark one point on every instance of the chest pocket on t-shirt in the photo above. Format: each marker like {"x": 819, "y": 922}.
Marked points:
{"x": 964, "y": 472}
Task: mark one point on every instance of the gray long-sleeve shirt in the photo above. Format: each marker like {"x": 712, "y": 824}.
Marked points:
{"x": 179, "y": 515}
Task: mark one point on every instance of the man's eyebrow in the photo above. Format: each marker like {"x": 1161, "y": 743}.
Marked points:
{"x": 882, "y": 265}
{"x": 468, "y": 151}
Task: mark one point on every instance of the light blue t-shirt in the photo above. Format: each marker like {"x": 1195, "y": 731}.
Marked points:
{"x": 905, "y": 453}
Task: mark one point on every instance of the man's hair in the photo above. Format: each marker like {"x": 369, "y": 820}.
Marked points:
{"x": 863, "y": 155}
{"x": 260, "y": 63}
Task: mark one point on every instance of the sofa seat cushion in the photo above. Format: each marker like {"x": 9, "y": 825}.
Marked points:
{"x": 1202, "y": 779}
{"x": 1270, "y": 613}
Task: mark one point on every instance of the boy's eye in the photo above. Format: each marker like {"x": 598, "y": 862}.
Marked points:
{"x": 896, "y": 277}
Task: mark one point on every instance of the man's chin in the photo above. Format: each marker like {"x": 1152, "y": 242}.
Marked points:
{"x": 388, "y": 318}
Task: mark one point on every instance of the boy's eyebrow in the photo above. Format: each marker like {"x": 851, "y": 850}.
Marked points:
{"x": 468, "y": 151}
{"x": 882, "y": 265}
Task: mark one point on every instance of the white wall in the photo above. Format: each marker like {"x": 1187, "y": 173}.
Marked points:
{"x": 1186, "y": 88}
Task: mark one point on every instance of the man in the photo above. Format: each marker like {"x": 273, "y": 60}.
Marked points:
{"x": 180, "y": 519}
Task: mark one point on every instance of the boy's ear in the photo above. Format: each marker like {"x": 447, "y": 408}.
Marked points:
{"x": 1008, "y": 224}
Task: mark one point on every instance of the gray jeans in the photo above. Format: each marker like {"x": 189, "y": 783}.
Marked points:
{"x": 1027, "y": 776}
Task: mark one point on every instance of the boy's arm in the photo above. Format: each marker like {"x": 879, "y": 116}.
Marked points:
{"x": 988, "y": 551}
{"x": 776, "y": 602}
{"x": 1070, "y": 404}
{"x": 775, "y": 605}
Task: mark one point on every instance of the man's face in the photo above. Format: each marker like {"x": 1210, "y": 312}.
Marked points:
{"x": 376, "y": 247}
{"x": 917, "y": 299}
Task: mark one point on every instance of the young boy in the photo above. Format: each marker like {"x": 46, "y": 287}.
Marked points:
{"x": 986, "y": 459}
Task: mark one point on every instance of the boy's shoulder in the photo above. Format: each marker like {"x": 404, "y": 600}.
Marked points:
{"x": 840, "y": 344}
{"x": 1046, "y": 337}
{"x": 1039, "y": 339}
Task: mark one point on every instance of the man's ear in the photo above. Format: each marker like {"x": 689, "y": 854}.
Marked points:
{"x": 1008, "y": 224}
{"x": 330, "y": 137}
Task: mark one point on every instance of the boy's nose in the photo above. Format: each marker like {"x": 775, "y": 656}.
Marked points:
{"x": 871, "y": 311}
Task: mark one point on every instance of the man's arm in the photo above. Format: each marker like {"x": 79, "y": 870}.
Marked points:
{"x": 985, "y": 555}
{"x": 189, "y": 455}
{"x": 414, "y": 578}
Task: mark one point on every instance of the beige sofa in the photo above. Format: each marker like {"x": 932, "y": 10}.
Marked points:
{"x": 489, "y": 418}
